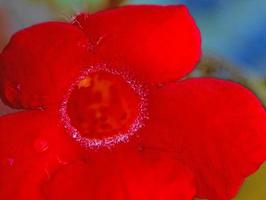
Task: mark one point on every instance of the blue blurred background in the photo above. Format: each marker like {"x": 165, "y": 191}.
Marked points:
{"x": 233, "y": 34}
{"x": 234, "y": 30}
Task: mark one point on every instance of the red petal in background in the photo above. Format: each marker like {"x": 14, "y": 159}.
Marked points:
{"x": 158, "y": 43}
{"x": 39, "y": 62}
{"x": 214, "y": 127}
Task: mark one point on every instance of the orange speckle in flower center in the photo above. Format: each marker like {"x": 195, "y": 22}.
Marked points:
{"x": 85, "y": 83}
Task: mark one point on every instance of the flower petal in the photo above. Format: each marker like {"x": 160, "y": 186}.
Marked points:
{"x": 214, "y": 127}
{"x": 39, "y": 62}
{"x": 158, "y": 43}
{"x": 123, "y": 175}
{"x": 38, "y": 160}
{"x": 32, "y": 147}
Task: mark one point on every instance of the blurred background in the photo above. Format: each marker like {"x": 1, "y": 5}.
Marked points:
{"x": 233, "y": 33}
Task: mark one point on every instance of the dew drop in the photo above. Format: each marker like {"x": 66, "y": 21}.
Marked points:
{"x": 41, "y": 145}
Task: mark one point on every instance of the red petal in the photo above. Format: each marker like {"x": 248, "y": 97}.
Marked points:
{"x": 158, "y": 43}
{"x": 122, "y": 175}
{"x": 38, "y": 160}
{"x": 39, "y": 63}
{"x": 214, "y": 127}
{"x": 32, "y": 148}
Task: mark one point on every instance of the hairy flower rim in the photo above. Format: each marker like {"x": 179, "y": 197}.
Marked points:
{"x": 121, "y": 137}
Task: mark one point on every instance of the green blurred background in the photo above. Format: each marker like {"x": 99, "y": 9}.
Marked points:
{"x": 233, "y": 34}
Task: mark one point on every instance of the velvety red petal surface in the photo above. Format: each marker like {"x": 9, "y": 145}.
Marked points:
{"x": 39, "y": 161}
{"x": 214, "y": 127}
{"x": 158, "y": 43}
{"x": 153, "y": 43}
{"x": 32, "y": 148}
{"x": 39, "y": 62}
{"x": 123, "y": 175}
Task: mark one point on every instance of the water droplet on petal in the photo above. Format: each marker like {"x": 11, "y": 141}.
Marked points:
{"x": 41, "y": 145}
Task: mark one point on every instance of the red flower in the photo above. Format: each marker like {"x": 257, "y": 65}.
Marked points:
{"x": 108, "y": 119}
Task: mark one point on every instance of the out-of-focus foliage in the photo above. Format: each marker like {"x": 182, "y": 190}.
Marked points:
{"x": 254, "y": 186}
{"x": 74, "y": 6}
{"x": 211, "y": 66}
{"x": 3, "y": 28}
{"x": 233, "y": 32}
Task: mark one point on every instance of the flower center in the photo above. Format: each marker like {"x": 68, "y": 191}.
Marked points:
{"x": 102, "y": 105}
{"x": 103, "y": 108}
